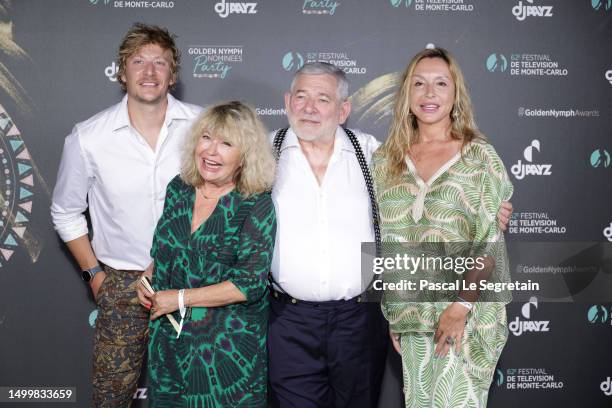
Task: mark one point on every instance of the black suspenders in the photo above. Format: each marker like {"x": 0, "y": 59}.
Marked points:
{"x": 367, "y": 176}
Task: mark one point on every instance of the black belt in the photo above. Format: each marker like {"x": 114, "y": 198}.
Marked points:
{"x": 283, "y": 297}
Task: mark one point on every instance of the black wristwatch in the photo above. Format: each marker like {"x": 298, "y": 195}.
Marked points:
{"x": 88, "y": 274}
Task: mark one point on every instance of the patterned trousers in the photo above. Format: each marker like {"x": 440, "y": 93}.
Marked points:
{"x": 455, "y": 380}
{"x": 120, "y": 340}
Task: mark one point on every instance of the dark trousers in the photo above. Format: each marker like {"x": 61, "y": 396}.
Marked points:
{"x": 120, "y": 340}
{"x": 327, "y": 354}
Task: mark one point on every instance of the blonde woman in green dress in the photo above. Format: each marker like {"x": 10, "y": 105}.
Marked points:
{"x": 212, "y": 251}
{"x": 439, "y": 180}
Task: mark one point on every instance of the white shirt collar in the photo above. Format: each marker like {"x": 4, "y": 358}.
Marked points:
{"x": 341, "y": 141}
{"x": 174, "y": 111}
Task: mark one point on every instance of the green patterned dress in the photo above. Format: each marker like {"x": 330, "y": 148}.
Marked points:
{"x": 457, "y": 205}
{"x": 220, "y": 358}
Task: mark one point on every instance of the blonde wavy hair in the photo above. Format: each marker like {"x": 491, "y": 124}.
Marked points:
{"x": 403, "y": 131}
{"x": 236, "y": 123}
{"x": 143, "y": 34}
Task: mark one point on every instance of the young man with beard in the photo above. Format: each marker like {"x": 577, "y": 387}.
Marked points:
{"x": 117, "y": 165}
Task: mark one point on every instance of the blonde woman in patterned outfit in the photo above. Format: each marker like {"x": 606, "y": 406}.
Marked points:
{"x": 212, "y": 249}
{"x": 439, "y": 181}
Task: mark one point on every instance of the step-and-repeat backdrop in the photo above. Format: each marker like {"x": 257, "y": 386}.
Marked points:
{"x": 539, "y": 72}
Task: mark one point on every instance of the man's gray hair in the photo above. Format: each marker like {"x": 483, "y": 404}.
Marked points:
{"x": 320, "y": 68}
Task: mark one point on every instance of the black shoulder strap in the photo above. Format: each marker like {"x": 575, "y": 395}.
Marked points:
{"x": 367, "y": 176}
{"x": 276, "y": 144}
{"x": 278, "y": 141}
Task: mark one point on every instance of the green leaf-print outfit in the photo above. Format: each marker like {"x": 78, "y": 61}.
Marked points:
{"x": 220, "y": 359}
{"x": 458, "y": 204}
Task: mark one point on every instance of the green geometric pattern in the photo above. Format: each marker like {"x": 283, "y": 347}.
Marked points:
{"x": 220, "y": 358}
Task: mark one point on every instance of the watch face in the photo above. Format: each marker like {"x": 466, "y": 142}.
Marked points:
{"x": 86, "y": 276}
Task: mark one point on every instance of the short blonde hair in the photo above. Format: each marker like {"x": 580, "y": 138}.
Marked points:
{"x": 143, "y": 34}
{"x": 238, "y": 124}
{"x": 403, "y": 130}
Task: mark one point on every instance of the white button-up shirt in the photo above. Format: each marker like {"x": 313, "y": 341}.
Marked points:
{"x": 109, "y": 167}
{"x": 320, "y": 228}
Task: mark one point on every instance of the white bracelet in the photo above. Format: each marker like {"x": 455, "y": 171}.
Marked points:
{"x": 182, "y": 310}
{"x": 464, "y": 303}
{"x": 181, "y": 302}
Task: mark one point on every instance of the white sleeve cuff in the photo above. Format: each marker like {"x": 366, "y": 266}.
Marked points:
{"x": 68, "y": 226}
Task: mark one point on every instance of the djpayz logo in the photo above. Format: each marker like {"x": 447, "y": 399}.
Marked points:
{"x": 608, "y": 232}
{"x": 609, "y": 76}
{"x": 519, "y": 327}
{"x": 521, "y": 12}
{"x": 224, "y": 9}
{"x": 292, "y": 61}
{"x": 111, "y": 72}
{"x": 600, "y": 158}
{"x": 521, "y": 170}
{"x": 140, "y": 394}
{"x": 601, "y": 4}
{"x": 606, "y": 386}
{"x": 497, "y": 62}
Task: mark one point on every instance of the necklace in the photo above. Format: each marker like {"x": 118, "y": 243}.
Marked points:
{"x": 212, "y": 198}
